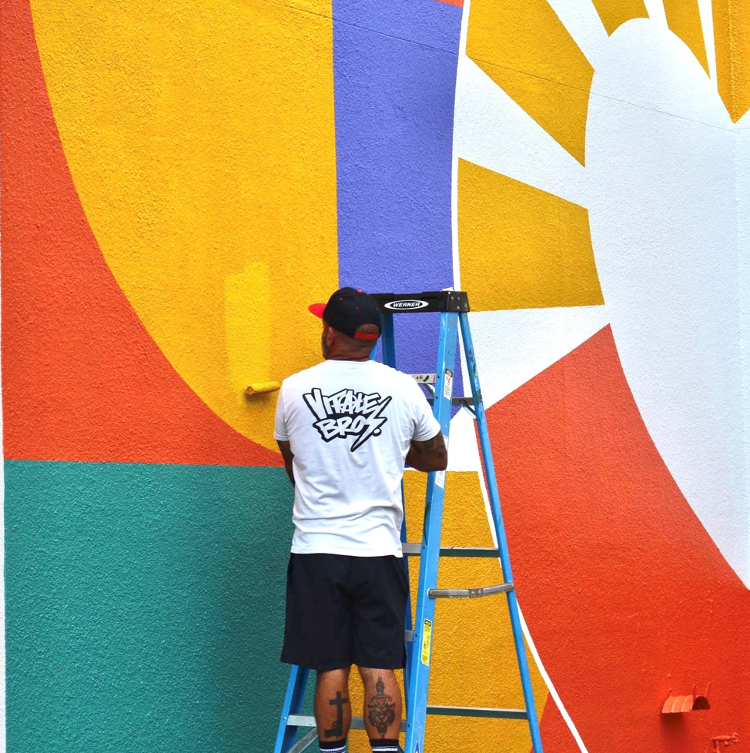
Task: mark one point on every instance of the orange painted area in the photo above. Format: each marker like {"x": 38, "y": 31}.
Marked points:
{"x": 624, "y": 592}
{"x": 522, "y": 247}
{"x": 614, "y": 13}
{"x": 82, "y": 379}
{"x": 684, "y": 19}
{"x": 527, "y": 51}
{"x": 732, "y": 34}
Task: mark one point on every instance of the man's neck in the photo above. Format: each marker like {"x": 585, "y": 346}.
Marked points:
{"x": 342, "y": 357}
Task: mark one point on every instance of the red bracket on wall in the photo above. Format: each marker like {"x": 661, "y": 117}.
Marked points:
{"x": 679, "y": 704}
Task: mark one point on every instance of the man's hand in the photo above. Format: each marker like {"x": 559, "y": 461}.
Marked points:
{"x": 288, "y": 455}
{"x": 428, "y": 456}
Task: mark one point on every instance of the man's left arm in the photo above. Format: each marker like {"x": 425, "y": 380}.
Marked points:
{"x": 288, "y": 455}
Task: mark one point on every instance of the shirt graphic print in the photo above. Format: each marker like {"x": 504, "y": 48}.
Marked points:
{"x": 347, "y": 413}
{"x": 350, "y": 425}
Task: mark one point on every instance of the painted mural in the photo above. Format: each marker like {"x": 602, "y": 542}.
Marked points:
{"x": 179, "y": 181}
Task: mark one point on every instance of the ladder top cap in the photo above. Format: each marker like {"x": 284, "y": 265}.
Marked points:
{"x": 451, "y": 301}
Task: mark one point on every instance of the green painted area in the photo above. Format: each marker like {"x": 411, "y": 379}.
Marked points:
{"x": 144, "y": 607}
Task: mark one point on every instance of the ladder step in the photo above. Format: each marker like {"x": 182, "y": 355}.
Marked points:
{"x": 469, "y": 593}
{"x": 452, "y": 551}
{"x": 307, "y": 720}
{"x": 476, "y": 712}
{"x": 303, "y": 744}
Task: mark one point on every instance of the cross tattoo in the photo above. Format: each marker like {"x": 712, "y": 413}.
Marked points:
{"x": 338, "y": 726}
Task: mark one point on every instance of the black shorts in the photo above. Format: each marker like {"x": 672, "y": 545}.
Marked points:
{"x": 343, "y": 610}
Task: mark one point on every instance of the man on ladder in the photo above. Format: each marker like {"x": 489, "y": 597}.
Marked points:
{"x": 346, "y": 428}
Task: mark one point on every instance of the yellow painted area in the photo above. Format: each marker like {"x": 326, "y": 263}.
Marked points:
{"x": 732, "y": 40}
{"x": 521, "y": 247}
{"x": 473, "y": 659}
{"x": 200, "y": 137}
{"x": 683, "y": 18}
{"x": 614, "y": 13}
{"x": 525, "y": 49}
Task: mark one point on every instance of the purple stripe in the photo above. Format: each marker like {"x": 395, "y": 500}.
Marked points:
{"x": 395, "y": 77}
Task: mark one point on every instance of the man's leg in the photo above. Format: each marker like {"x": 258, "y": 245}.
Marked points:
{"x": 382, "y": 709}
{"x": 333, "y": 712}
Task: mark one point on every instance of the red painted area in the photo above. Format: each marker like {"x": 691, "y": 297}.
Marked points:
{"x": 82, "y": 378}
{"x": 556, "y": 737}
{"x": 459, "y": 3}
{"x": 625, "y": 594}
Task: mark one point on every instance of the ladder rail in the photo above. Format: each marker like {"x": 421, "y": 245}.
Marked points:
{"x": 295, "y": 695}
{"x": 421, "y": 658}
{"x": 388, "y": 343}
{"x": 453, "y": 307}
{"x": 502, "y": 542}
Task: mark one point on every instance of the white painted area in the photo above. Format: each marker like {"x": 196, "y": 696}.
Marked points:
{"x": 678, "y": 85}
{"x": 663, "y": 226}
{"x": 666, "y": 180}
{"x": 493, "y": 131}
{"x": 454, "y": 157}
{"x": 742, "y": 165}
{"x": 655, "y": 10}
{"x": 464, "y": 454}
{"x": 584, "y": 26}
{"x": 707, "y": 22}
{"x": 512, "y": 347}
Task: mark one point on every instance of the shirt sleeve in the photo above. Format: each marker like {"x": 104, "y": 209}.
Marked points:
{"x": 427, "y": 426}
{"x": 279, "y": 429}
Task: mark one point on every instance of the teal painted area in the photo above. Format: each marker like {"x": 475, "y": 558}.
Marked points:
{"x": 144, "y": 607}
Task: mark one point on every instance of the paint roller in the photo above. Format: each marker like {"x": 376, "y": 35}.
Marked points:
{"x": 261, "y": 388}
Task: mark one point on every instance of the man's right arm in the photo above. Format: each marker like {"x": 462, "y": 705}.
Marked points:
{"x": 430, "y": 455}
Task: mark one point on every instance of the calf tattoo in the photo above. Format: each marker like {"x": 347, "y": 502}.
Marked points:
{"x": 381, "y": 709}
{"x": 338, "y": 726}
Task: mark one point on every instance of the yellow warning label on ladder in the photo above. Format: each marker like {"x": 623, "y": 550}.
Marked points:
{"x": 426, "y": 640}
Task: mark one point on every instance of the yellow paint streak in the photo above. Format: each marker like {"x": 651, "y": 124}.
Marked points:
{"x": 473, "y": 658}
{"x": 521, "y": 247}
{"x": 526, "y": 50}
{"x": 614, "y": 13}
{"x": 732, "y": 40}
{"x": 200, "y": 137}
{"x": 683, "y": 18}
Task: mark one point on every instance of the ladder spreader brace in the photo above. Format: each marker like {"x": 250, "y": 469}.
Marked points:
{"x": 453, "y": 307}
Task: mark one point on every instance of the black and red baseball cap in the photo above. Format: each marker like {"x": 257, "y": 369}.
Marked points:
{"x": 347, "y": 310}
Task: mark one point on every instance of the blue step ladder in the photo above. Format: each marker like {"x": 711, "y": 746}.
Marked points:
{"x": 454, "y": 309}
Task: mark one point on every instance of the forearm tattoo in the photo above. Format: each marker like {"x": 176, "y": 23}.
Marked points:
{"x": 338, "y": 726}
{"x": 381, "y": 709}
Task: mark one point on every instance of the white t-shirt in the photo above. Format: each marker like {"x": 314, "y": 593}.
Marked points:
{"x": 349, "y": 425}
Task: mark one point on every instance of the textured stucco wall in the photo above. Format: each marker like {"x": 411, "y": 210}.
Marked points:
{"x": 179, "y": 181}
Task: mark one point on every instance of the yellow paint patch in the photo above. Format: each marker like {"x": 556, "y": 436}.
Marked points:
{"x": 732, "y": 40}
{"x": 683, "y": 18}
{"x": 614, "y": 13}
{"x": 525, "y": 49}
{"x": 521, "y": 247}
{"x": 200, "y": 138}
